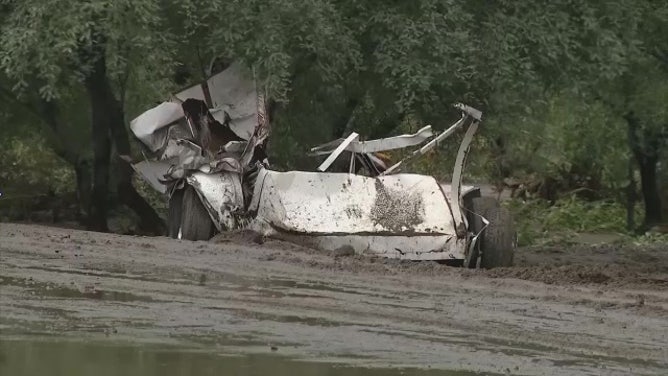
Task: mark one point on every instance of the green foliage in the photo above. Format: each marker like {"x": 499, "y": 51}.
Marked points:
{"x": 274, "y": 38}
{"x": 29, "y": 168}
{"x": 581, "y": 144}
{"x": 153, "y": 197}
{"x": 647, "y": 96}
{"x": 45, "y": 45}
{"x": 554, "y": 79}
{"x": 646, "y": 239}
{"x": 538, "y": 222}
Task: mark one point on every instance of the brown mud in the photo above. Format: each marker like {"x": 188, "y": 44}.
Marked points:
{"x": 576, "y": 310}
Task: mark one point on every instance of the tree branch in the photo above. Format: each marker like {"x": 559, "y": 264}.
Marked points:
{"x": 9, "y": 95}
{"x": 45, "y": 114}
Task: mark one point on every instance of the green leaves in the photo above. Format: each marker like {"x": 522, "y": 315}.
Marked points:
{"x": 42, "y": 43}
{"x": 338, "y": 65}
{"x": 281, "y": 38}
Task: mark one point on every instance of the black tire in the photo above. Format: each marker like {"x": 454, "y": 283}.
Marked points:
{"x": 499, "y": 239}
{"x": 479, "y": 206}
{"x": 196, "y": 224}
{"x": 174, "y": 214}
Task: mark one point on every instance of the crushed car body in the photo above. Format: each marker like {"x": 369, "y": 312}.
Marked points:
{"x": 405, "y": 216}
{"x": 205, "y": 150}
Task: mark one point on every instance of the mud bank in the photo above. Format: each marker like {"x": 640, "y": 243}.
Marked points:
{"x": 595, "y": 310}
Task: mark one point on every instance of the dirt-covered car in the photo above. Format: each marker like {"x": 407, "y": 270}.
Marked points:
{"x": 205, "y": 150}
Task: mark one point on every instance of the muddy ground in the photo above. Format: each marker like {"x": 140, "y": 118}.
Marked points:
{"x": 581, "y": 310}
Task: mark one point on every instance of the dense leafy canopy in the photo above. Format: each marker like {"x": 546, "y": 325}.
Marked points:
{"x": 558, "y": 81}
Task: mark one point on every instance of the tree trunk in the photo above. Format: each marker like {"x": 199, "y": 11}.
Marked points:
{"x": 631, "y": 197}
{"x": 97, "y": 213}
{"x": 150, "y": 221}
{"x": 108, "y": 114}
{"x": 646, "y": 155}
{"x": 48, "y": 110}
{"x": 631, "y": 192}
{"x": 650, "y": 190}
{"x": 82, "y": 171}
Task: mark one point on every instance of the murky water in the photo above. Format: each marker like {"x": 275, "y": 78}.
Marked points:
{"x": 39, "y": 357}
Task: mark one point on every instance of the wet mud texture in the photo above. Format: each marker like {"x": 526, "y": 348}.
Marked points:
{"x": 586, "y": 310}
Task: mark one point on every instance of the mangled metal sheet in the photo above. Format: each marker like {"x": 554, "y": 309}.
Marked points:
{"x": 236, "y": 147}
{"x": 339, "y": 149}
{"x": 417, "y": 248}
{"x": 465, "y": 189}
{"x": 146, "y": 126}
{"x": 206, "y": 136}
{"x": 222, "y": 196}
{"x": 403, "y": 215}
{"x": 232, "y": 92}
{"x": 153, "y": 172}
{"x": 233, "y": 100}
{"x": 374, "y": 146}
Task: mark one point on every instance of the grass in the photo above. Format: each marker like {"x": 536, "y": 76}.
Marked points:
{"x": 539, "y": 223}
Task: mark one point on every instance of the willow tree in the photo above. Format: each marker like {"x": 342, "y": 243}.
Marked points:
{"x": 331, "y": 66}
{"x": 52, "y": 50}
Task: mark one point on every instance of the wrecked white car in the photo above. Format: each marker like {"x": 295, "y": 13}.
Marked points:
{"x": 206, "y": 149}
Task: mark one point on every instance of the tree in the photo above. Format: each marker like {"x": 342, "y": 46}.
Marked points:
{"x": 639, "y": 96}
{"x": 333, "y": 66}
{"x": 67, "y": 132}
{"x": 613, "y": 52}
{"x": 57, "y": 47}
{"x": 646, "y": 115}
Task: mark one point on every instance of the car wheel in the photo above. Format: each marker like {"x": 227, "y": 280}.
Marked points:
{"x": 476, "y": 207}
{"x": 196, "y": 224}
{"x": 174, "y": 214}
{"x": 499, "y": 239}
